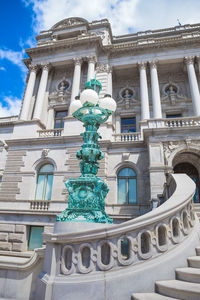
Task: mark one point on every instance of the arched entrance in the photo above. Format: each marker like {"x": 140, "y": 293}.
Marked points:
{"x": 192, "y": 172}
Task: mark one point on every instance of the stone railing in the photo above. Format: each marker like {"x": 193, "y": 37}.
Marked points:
{"x": 170, "y": 123}
{"x": 6, "y": 120}
{"x": 182, "y": 122}
{"x": 127, "y": 137}
{"x": 113, "y": 247}
{"x": 50, "y": 132}
{"x": 39, "y": 204}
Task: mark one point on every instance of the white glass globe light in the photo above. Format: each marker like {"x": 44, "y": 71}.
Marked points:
{"x": 90, "y": 96}
{"x": 76, "y": 104}
{"x": 108, "y": 103}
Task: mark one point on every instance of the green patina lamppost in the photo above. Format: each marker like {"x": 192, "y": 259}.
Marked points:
{"x": 87, "y": 193}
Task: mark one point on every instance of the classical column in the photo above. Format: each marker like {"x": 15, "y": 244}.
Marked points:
{"x": 76, "y": 78}
{"x": 194, "y": 90}
{"x": 109, "y": 87}
{"x": 29, "y": 92}
{"x": 91, "y": 67}
{"x": 144, "y": 91}
{"x": 157, "y": 112}
{"x": 41, "y": 92}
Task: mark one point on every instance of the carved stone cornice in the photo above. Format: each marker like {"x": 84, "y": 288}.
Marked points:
{"x": 142, "y": 65}
{"x": 189, "y": 60}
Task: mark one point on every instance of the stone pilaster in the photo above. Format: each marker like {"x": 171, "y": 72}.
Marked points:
{"x": 144, "y": 91}
{"x": 41, "y": 91}
{"x": 50, "y": 119}
{"x": 194, "y": 90}
{"x": 110, "y": 86}
{"x": 29, "y": 92}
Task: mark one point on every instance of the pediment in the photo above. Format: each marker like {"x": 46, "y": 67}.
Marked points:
{"x": 69, "y": 22}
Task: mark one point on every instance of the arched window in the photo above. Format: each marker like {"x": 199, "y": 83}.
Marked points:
{"x": 44, "y": 182}
{"x": 127, "y": 186}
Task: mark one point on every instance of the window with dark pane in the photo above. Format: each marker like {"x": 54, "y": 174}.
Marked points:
{"x": 59, "y": 118}
{"x": 169, "y": 116}
{"x": 35, "y": 237}
{"x": 127, "y": 186}
{"x": 44, "y": 182}
{"x": 128, "y": 125}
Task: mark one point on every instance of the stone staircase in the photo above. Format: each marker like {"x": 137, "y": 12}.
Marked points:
{"x": 186, "y": 285}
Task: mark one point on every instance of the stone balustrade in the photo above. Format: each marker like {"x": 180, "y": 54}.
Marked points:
{"x": 39, "y": 204}
{"x": 127, "y": 137}
{"x": 50, "y": 132}
{"x": 182, "y": 122}
{"x": 130, "y": 243}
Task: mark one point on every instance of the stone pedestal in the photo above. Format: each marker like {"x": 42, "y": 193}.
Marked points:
{"x": 52, "y": 284}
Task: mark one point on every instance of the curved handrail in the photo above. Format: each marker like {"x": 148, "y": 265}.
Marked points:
{"x": 146, "y": 236}
{"x": 184, "y": 192}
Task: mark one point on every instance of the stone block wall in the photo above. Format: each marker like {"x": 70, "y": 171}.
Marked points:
{"x": 13, "y": 237}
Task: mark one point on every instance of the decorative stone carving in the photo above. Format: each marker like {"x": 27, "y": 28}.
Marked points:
{"x": 77, "y": 60}
{"x": 101, "y": 68}
{"x": 169, "y": 147}
{"x": 45, "y": 153}
{"x": 171, "y": 92}
{"x": 189, "y": 60}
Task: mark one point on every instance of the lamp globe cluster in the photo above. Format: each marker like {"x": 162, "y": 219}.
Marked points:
{"x": 90, "y": 97}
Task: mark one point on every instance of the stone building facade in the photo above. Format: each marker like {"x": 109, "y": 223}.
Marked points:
{"x": 154, "y": 78}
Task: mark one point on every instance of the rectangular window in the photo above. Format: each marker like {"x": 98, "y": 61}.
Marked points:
{"x": 168, "y": 116}
{"x": 59, "y": 116}
{"x": 128, "y": 125}
{"x": 35, "y": 237}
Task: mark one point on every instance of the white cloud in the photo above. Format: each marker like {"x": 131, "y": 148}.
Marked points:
{"x": 13, "y": 56}
{"x": 124, "y": 15}
{"x": 2, "y": 69}
{"x": 12, "y": 107}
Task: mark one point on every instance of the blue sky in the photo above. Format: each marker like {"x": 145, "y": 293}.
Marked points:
{"x": 21, "y": 20}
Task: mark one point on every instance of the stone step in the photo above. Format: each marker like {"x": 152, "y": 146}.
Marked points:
{"x": 149, "y": 296}
{"x": 178, "y": 289}
{"x": 188, "y": 274}
{"x": 198, "y": 250}
{"x": 194, "y": 261}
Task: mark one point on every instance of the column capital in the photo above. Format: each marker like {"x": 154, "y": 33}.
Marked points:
{"x": 91, "y": 59}
{"x": 198, "y": 58}
{"x": 33, "y": 68}
{"x": 46, "y": 66}
{"x": 142, "y": 65}
{"x": 77, "y": 61}
{"x": 189, "y": 60}
{"x": 153, "y": 64}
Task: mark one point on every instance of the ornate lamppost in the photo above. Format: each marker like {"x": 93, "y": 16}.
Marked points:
{"x": 87, "y": 193}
